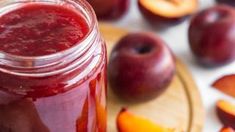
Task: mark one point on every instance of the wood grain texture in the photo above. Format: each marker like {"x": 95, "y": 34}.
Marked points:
{"x": 179, "y": 107}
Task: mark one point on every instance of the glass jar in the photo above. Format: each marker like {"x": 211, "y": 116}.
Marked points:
{"x": 60, "y": 92}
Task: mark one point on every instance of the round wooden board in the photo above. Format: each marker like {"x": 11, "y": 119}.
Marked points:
{"x": 179, "y": 107}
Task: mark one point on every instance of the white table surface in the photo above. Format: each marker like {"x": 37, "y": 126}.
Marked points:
{"x": 176, "y": 38}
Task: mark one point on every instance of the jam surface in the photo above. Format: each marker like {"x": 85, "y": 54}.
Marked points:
{"x": 37, "y": 29}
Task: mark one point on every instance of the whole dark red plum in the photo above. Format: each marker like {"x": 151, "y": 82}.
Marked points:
{"x": 212, "y": 36}
{"x": 141, "y": 67}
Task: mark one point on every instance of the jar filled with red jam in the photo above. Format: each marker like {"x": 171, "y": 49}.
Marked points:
{"x": 52, "y": 67}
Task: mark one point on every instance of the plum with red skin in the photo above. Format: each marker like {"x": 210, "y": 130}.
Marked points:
{"x": 110, "y": 9}
{"x": 141, "y": 67}
{"x": 212, "y": 36}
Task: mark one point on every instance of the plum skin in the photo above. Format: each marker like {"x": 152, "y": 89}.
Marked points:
{"x": 211, "y": 36}
{"x": 141, "y": 67}
{"x": 226, "y": 118}
{"x": 110, "y": 9}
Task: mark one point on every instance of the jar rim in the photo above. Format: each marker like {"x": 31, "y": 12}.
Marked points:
{"x": 91, "y": 25}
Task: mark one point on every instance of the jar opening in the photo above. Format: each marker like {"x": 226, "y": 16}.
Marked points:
{"x": 23, "y": 64}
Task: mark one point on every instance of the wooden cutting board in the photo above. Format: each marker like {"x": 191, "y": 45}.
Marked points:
{"x": 179, "y": 107}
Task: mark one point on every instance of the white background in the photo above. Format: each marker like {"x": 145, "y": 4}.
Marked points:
{"x": 176, "y": 38}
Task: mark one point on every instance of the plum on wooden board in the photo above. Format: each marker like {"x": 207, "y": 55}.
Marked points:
{"x": 212, "y": 36}
{"x": 141, "y": 67}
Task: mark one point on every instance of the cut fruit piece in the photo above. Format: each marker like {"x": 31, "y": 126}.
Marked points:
{"x": 158, "y": 10}
{"x": 128, "y": 122}
{"x": 226, "y": 85}
{"x": 101, "y": 117}
{"x": 227, "y": 129}
{"x": 82, "y": 121}
{"x": 170, "y": 8}
{"x": 226, "y": 113}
